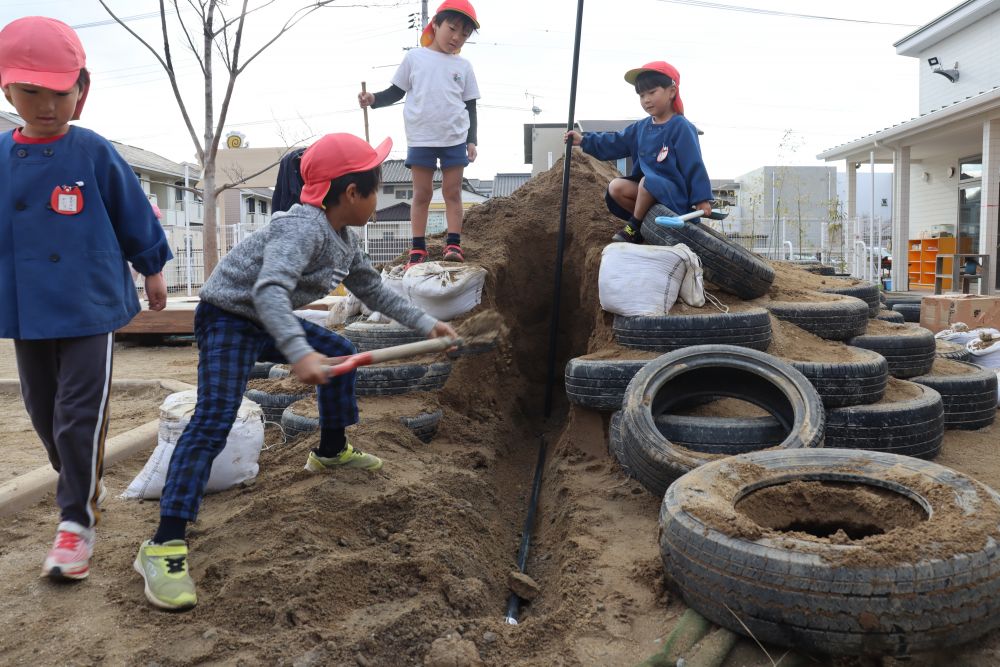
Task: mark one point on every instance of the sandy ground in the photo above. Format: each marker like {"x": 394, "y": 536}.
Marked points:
{"x": 410, "y": 566}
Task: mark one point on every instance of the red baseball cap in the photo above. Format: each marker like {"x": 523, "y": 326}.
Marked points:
{"x": 662, "y": 68}
{"x": 333, "y": 156}
{"x": 44, "y": 52}
{"x": 460, "y": 6}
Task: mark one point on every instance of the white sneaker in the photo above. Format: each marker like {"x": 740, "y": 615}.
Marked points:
{"x": 69, "y": 557}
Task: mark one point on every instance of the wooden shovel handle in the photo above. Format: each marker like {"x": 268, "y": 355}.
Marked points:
{"x": 341, "y": 365}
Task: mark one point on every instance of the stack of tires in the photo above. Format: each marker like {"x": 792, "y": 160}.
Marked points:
{"x": 858, "y": 411}
{"x": 893, "y": 392}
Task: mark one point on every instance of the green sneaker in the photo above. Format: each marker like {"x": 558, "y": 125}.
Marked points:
{"x": 350, "y": 457}
{"x": 164, "y": 567}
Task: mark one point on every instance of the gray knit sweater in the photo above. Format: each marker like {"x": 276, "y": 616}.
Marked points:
{"x": 295, "y": 260}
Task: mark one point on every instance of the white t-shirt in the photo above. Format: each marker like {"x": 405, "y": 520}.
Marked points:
{"x": 437, "y": 86}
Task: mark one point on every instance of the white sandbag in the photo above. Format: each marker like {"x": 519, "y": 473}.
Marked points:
{"x": 236, "y": 463}
{"x": 444, "y": 292}
{"x": 985, "y": 349}
{"x": 342, "y": 308}
{"x": 639, "y": 279}
{"x": 692, "y": 291}
{"x": 312, "y": 315}
{"x": 961, "y": 333}
{"x": 392, "y": 277}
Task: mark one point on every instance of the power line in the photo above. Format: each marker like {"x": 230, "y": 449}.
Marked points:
{"x": 772, "y": 12}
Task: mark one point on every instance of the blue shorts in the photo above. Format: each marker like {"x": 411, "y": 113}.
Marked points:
{"x": 428, "y": 156}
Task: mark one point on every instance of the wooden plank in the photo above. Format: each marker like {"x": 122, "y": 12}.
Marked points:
{"x": 176, "y": 318}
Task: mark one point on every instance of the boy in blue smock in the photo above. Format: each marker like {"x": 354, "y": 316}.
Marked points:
{"x": 72, "y": 214}
{"x": 666, "y": 155}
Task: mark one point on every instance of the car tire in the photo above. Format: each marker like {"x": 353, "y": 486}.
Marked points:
{"x": 911, "y": 427}
{"x": 780, "y": 587}
{"x": 867, "y": 293}
{"x": 909, "y": 311}
{"x": 599, "y": 384}
{"x": 833, "y": 320}
{"x": 273, "y": 405}
{"x": 664, "y": 333}
{"x": 908, "y": 355}
{"x": 970, "y": 400}
{"x": 710, "y": 371}
{"x": 368, "y": 336}
{"x": 728, "y": 265}
{"x": 387, "y": 380}
{"x": 846, "y": 383}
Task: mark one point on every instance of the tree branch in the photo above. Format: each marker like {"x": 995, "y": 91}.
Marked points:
{"x": 289, "y": 24}
{"x": 244, "y": 179}
{"x": 167, "y": 65}
{"x": 187, "y": 36}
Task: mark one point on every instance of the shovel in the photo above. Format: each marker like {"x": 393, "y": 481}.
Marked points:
{"x": 670, "y": 221}
{"x": 342, "y": 365}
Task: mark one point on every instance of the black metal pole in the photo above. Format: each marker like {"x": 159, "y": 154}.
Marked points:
{"x": 513, "y": 603}
{"x": 560, "y": 246}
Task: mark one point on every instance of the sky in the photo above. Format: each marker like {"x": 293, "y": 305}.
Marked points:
{"x": 767, "y": 81}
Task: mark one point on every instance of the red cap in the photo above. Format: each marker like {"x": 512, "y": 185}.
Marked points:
{"x": 42, "y": 52}
{"x": 333, "y": 156}
{"x": 460, "y": 6}
{"x": 662, "y": 68}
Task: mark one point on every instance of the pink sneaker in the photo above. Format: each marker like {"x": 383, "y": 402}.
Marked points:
{"x": 69, "y": 557}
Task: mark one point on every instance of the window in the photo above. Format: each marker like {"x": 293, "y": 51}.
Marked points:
{"x": 400, "y": 194}
{"x": 178, "y": 192}
{"x": 251, "y": 205}
{"x": 387, "y": 189}
{"x": 971, "y": 167}
{"x": 263, "y": 206}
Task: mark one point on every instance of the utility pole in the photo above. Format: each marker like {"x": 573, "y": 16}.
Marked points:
{"x": 423, "y": 14}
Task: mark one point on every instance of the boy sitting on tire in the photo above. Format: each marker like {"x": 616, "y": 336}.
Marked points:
{"x": 664, "y": 149}
{"x": 245, "y": 315}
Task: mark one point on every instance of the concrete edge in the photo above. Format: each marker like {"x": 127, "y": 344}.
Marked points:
{"x": 27, "y": 489}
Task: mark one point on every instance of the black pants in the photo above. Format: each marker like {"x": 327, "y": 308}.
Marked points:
{"x": 66, "y": 387}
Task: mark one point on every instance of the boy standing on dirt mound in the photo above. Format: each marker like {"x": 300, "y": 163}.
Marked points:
{"x": 245, "y": 315}
{"x": 72, "y": 213}
{"x": 664, "y": 149}
{"x": 440, "y": 119}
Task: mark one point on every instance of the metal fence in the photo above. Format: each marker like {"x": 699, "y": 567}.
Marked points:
{"x": 857, "y": 247}
{"x": 385, "y": 241}
{"x": 185, "y": 273}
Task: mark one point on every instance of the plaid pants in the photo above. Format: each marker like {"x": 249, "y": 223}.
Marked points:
{"x": 228, "y": 347}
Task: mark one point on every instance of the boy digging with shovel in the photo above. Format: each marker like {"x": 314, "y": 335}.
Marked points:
{"x": 245, "y": 315}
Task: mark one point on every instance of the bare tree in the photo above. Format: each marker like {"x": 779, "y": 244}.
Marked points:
{"x": 215, "y": 35}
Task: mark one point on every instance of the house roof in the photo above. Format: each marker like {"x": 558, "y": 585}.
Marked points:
{"x": 138, "y": 158}
{"x": 143, "y": 159}
{"x": 946, "y": 25}
{"x": 394, "y": 171}
{"x": 11, "y": 118}
{"x": 484, "y": 188}
{"x": 396, "y": 213}
{"x": 604, "y": 125}
{"x": 945, "y": 121}
{"x": 505, "y": 184}
{"x": 935, "y": 129}
{"x": 260, "y": 192}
